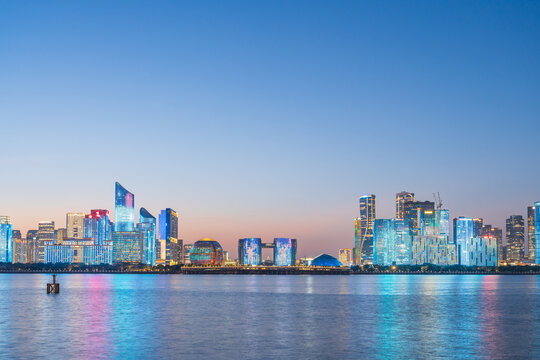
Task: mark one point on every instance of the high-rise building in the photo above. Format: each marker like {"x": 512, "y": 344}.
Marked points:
{"x": 392, "y": 242}
{"x": 482, "y": 251}
{"x": 6, "y": 240}
{"x": 147, "y": 225}
{"x": 537, "y": 232}
{"x": 515, "y": 238}
{"x": 417, "y": 214}
{"x": 284, "y": 251}
{"x": 364, "y": 230}
{"x": 477, "y": 226}
{"x": 401, "y": 199}
{"x": 442, "y": 221}
{"x": 45, "y": 233}
{"x": 127, "y": 247}
{"x": 433, "y": 249}
{"x": 168, "y": 233}
{"x": 249, "y": 251}
{"x": 463, "y": 232}
{"x": 75, "y": 225}
{"x": 345, "y": 257}
{"x": 530, "y": 248}
{"x": 60, "y": 235}
{"x": 32, "y": 246}
{"x": 124, "y": 209}
{"x": 19, "y": 250}
{"x": 98, "y": 226}
{"x": 494, "y": 232}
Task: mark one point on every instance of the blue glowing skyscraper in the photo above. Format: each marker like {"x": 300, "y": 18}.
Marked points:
{"x": 463, "y": 233}
{"x": 97, "y": 226}
{"x": 6, "y": 241}
{"x": 249, "y": 251}
{"x": 124, "y": 209}
{"x": 363, "y": 241}
{"x": 147, "y": 225}
{"x": 391, "y": 242}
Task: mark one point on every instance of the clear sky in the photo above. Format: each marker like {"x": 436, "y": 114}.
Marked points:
{"x": 268, "y": 118}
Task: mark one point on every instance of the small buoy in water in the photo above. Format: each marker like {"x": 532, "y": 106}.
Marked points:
{"x": 53, "y": 288}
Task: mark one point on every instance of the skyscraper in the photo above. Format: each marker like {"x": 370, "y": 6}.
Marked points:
{"x": 515, "y": 238}
{"x": 147, "y": 225}
{"x": 18, "y": 247}
{"x": 75, "y": 225}
{"x": 168, "y": 233}
{"x": 392, "y": 242}
{"x": 32, "y": 246}
{"x": 537, "y": 232}
{"x": 463, "y": 233}
{"x": 6, "y": 240}
{"x": 529, "y": 250}
{"x": 488, "y": 230}
{"x": 45, "y": 233}
{"x": 364, "y": 230}
{"x": 98, "y": 226}
{"x": 477, "y": 225}
{"x": 124, "y": 209}
{"x": 345, "y": 257}
{"x": 414, "y": 212}
{"x": 401, "y": 199}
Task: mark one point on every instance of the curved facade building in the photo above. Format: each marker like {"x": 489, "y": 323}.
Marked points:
{"x": 206, "y": 252}
{"x": 124, "y": 209}
{"x": 326, "y": 260}
{"x": 147, "y": 224}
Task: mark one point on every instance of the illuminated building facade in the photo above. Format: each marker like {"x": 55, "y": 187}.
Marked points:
{"x": 75, "y": 225}
{"x": 19, "y": 247}
{"x": 442, "y": 220}
{"x": 78, "y": 251}
{"x": 392, "y": 242}
{"x": 249, "y": 251}
{"x": 31, "y": 241}
{"x": 530, "y": 249}
{"x": 6, "y": 240}
{"x": 515, "y": 238}
{"x": 494, "y": 232}
{"x": 45, "y": 233}
{"x": 325, "y": 260}
{"x": 284, "y": 252}
{"x": 127, "y": 246}
{"x": 478, "y": 223}
{"x": 60, "y": 235}
{"x": 401, "y": 199}
{"x": 147, "y": 227}
{"x": 433, "y": 249}
{"x": 98, "y": 226}
{"x": 124, "y": 209}
{"x": 364, "y": 230}
{"x": 463, "y": 232}
{"x": 417, "y": 214}
{"x": 345, "y": 257}
{"x": 482, "y": 251}
{"x": 168, "y": 234}
{"x": 206, "y": 252}
{"x": 537, "y": 232}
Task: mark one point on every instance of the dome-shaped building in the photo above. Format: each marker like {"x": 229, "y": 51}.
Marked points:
{"x": 326, "y": 260}
{"x": 206, "y": 252}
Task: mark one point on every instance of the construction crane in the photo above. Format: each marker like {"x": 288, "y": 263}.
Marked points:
{"x": 438, "y": 201}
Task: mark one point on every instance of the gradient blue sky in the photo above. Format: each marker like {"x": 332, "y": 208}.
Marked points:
{"x": 268, "y": 119}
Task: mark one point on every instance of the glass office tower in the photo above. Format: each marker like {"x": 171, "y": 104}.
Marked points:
{"x": 6, "y": 240}
{"x": 124, "y": 209}
{"x": 147, "y": 224}
{"x": 97, "y": 226}
{"x": 284, "y": 252}
{"x": 364, "y": 232}
{"x": 249, "y": 251}
{"x": 515, "y": 238}
{"x": 168, "y": 234}
{"x": 392, "y": 242}
{"x": 401, "y": 199}
{"x": 530, "y": 234}
{"x": 463, "y": 232}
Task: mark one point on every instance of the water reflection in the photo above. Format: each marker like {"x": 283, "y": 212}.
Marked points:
{"x": 349, "y": 317}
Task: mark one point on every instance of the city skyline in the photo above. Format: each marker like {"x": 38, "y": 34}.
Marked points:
{"x": 189, "y": 106}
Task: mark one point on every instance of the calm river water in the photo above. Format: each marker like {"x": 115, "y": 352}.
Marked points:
{"x": 270, "y": 317}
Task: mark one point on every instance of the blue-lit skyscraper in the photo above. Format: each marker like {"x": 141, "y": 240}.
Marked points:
{"x": 6, "y": 240}
{"x": 124, "y": 209}
{"x": 537, "y": 231}
{"x": 363, "y": 241}
{"x": 168, "y": 233}
{"x": 97, "y": 226}
{"x": 284, "y": 252}
{"x": 249, "y": 251}
{"x": 391, "y": 242}
{"x": 463, "y": 232}
{"x": 443, "y": 221}
{"x": 147, "y": 225}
